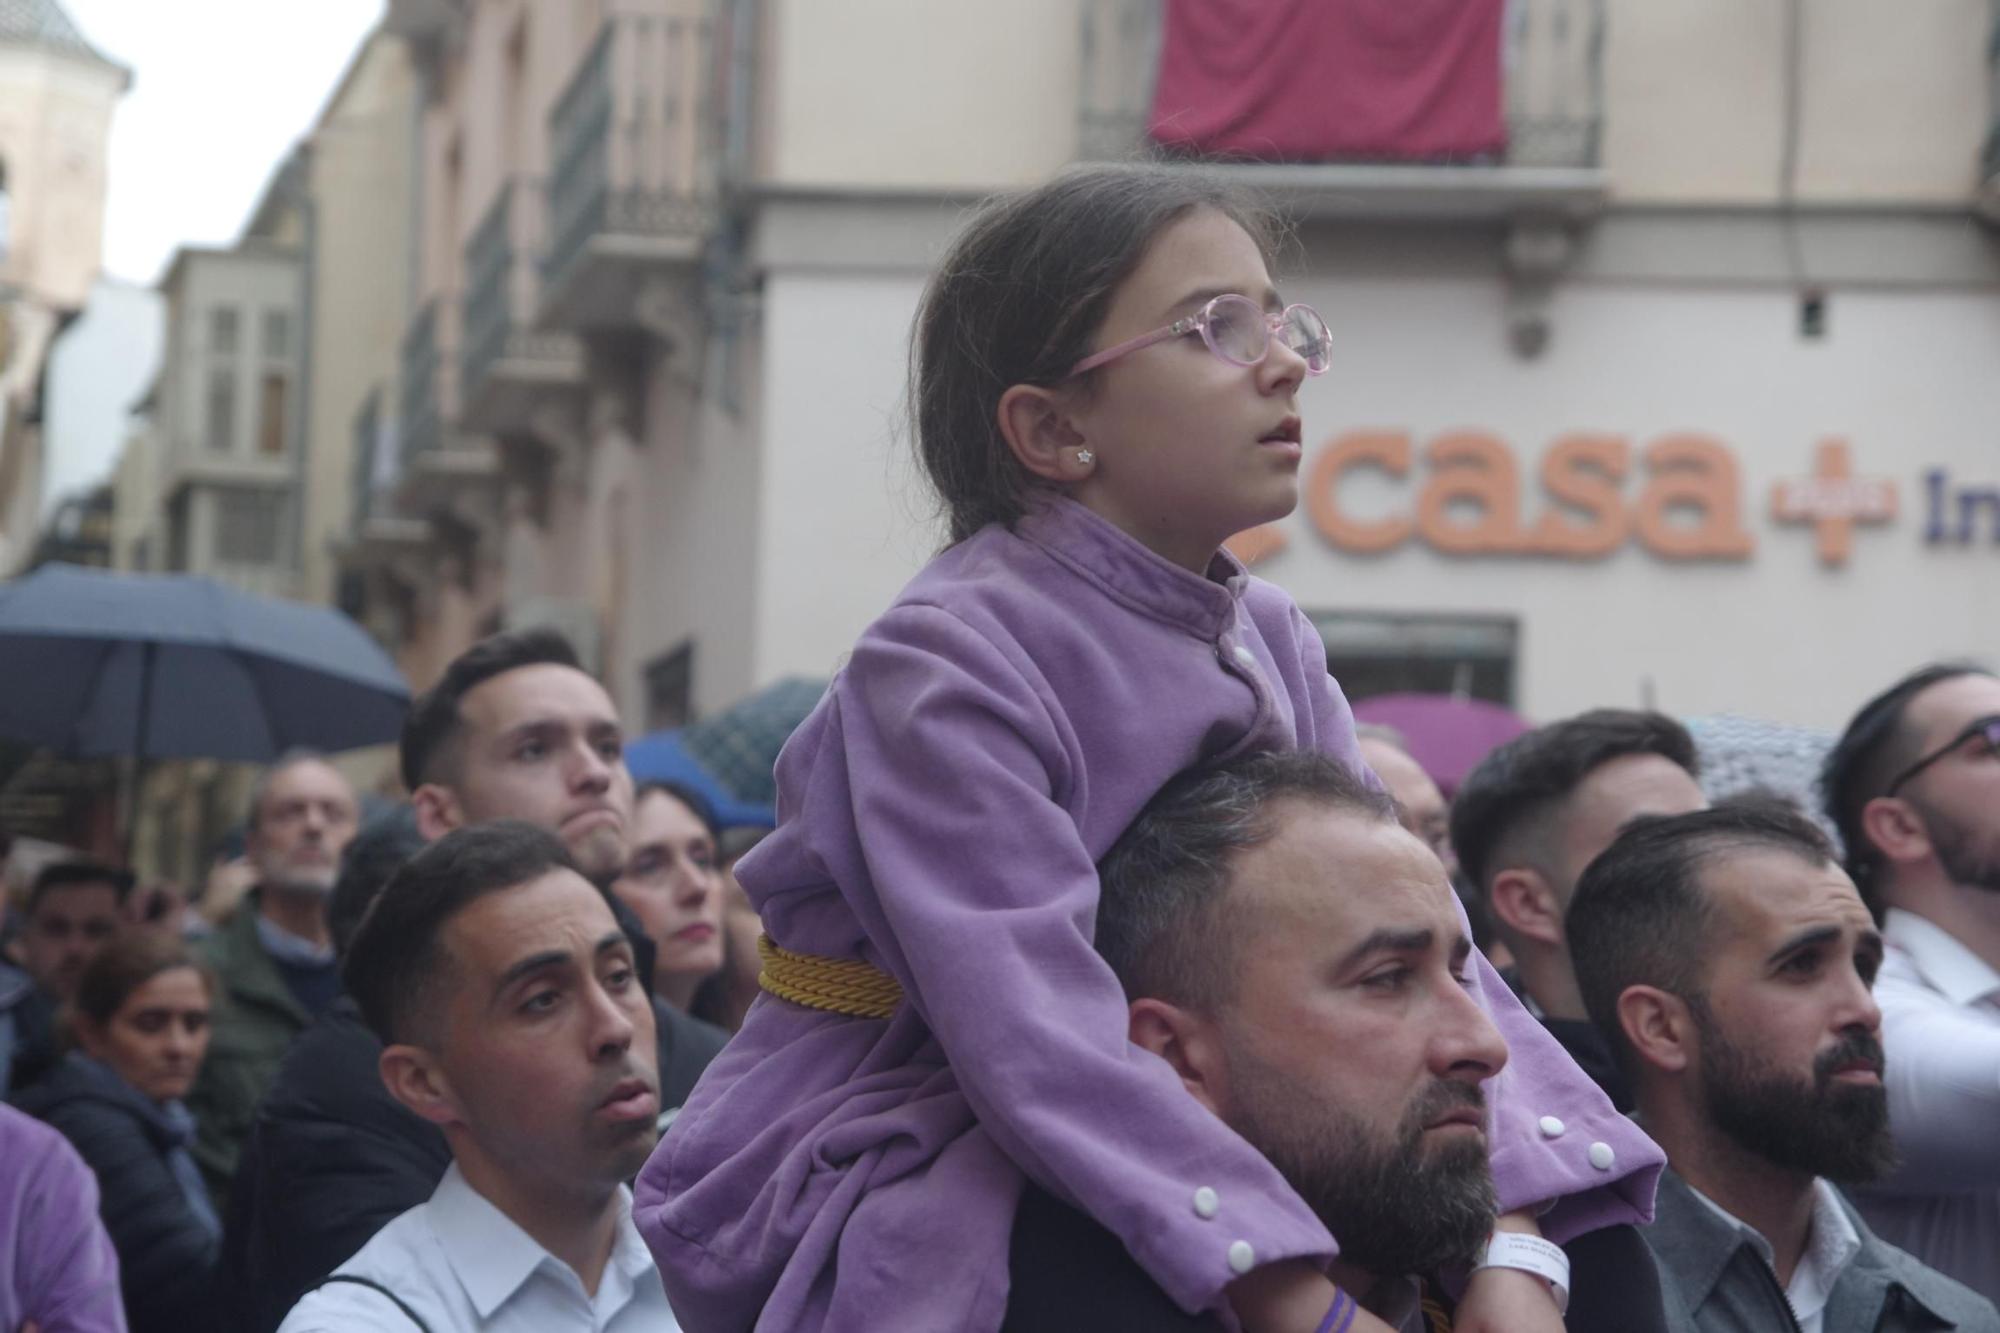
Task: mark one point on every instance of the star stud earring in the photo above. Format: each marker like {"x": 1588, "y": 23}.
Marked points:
{"x": 1085, "y": 457}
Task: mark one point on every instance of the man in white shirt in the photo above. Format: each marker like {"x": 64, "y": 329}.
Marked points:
{"x": 513, "y": 1019}
{"x": 1730, "y": 960}
{"x": 1914, "y": 787}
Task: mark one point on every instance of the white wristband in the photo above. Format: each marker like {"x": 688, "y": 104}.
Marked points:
{"x": 1530, "y": 1254}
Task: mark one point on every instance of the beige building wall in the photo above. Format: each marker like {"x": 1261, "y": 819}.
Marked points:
{"x": 55, "y": 121}
{"x": 885, "y": 94}
{"x": 1893, "y": 101}
{"x": 360, "y": 167}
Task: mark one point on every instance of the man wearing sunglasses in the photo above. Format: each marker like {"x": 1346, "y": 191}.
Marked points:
{"x": 1914, "y": 787}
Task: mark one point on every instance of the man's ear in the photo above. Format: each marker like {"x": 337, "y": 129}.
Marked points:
{"x": 1526, "y": 904}
{"x": 1038, "y": 429}
{"x": 1188, "y": 1043}
{"x": 437, "y": 811}
{"x": 1895, "y": 829}
{"x": 1659, "y": 1026}
{"x": 412, "y": 1076}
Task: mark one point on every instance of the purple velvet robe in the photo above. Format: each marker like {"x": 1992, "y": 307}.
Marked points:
{"x": 941, "y": 816}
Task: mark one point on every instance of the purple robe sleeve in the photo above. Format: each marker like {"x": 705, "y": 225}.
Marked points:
{"x": 966, "y": 789}
{"x": 57, "y": 1266}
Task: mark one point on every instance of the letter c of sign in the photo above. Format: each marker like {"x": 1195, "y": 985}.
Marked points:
{"x": 1388, "y": 450}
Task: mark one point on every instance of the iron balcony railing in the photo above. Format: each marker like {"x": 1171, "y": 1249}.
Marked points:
{"x": 429, "y": 384}
{"x": 1553, "y": 63}
{"x": 633, "y": 138}
{"x": 502, "y": 282}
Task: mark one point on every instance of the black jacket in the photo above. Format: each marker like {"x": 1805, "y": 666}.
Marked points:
{"x": 332, "y": 1157}
{"x": 167, "y": 1259}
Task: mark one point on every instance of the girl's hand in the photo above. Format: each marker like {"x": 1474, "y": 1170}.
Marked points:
{"x": 1291, "y": 1296}
{"x": 1508, "y": 1300}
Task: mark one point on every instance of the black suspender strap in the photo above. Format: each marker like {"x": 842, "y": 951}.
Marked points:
{"x": 375, "y": 1286}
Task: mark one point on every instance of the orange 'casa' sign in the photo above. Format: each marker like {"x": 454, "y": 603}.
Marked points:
{"x": 1470, "y": 503}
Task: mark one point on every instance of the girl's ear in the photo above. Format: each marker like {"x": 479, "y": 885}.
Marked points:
{"x": 1038, "y": 430}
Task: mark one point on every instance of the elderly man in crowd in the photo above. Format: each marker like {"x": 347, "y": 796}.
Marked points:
{"x": 1914, "y": 787}
{"x": 1528, "y": 819}
{"x": 74, "y": 909}
{"x": 1730, "y": 959}
{"x": 509, "y": 1003}
{"x": 1330, "y": 1028}
{"x": 274, "y": 958}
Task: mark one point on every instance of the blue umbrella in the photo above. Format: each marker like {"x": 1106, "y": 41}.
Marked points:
{"x": 171, "y": 665}
{"x": 660, "y": 757}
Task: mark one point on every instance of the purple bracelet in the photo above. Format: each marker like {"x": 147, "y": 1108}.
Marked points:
{"x": 1340, "y": 1315}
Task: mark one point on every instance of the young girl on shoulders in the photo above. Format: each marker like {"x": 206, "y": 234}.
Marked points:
{"x": 1106, "y": 389}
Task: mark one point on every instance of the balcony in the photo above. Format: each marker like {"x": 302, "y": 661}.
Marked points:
{"x": 634, "y": 194}
{"x": 1553, "y": 94}
{"x": 510, "y": 369}
{"x": 437, "y": 462}
{"x": 377, "y": 532}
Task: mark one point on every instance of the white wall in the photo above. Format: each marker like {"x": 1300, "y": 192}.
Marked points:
{"x": 1904, "y": 377}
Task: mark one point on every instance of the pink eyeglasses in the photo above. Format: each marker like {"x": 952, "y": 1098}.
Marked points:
{"x": 1238, "y": 330}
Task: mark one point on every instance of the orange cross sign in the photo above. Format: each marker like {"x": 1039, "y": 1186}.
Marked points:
{"x": 1833, "y": 500}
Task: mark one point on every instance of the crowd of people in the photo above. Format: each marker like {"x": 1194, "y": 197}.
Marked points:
{"x": 1099, "y": 975}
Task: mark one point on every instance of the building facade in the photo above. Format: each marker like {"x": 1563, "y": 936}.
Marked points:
{"x": 57, "y": 94}
{"x": 1675, "y": 389}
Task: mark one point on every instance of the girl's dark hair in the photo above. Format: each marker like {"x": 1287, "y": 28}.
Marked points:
{"x": 124, "y": 965}
{"x": 1018, "y": 299}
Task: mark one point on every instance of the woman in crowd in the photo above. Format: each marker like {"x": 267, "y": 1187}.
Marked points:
{"x": 673, "y": 885}
{"x": 139, "y": 1022}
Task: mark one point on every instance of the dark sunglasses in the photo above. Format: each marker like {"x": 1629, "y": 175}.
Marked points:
{"x": 1986, "y": 728}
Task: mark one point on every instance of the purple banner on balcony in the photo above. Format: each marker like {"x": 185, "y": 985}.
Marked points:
{"x": 1331, "y": 80}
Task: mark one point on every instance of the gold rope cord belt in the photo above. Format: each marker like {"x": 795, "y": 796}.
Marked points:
{"x": 837, "y": 985}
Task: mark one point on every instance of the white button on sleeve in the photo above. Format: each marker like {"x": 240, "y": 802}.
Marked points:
{"x": 1245, "y": 656}
{"x": 1206, "y": 1202}
{"x": 1241, "y": 1258}
{"x": 1552, "y": 1128}
{"x": 1601, "y": 1156}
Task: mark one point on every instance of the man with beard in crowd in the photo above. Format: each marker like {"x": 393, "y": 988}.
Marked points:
{"x": 1729, "y": 959}
{"x": 1333, "y": 1030}
{"x": 1532, "y": 814}
{"x": 274, "y": 957}
{"x": 1914, "y": 787}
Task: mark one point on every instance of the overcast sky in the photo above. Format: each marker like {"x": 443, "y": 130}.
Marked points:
{"x": 221, "y": 89}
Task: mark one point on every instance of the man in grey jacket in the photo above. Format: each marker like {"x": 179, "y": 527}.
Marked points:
{"x": 1730, "y": 961}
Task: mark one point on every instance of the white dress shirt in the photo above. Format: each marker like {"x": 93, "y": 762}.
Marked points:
{"x": 1941, "y": 1032}
{"x": 464, "y": 1266}
{"x": 1830, "y": 1247}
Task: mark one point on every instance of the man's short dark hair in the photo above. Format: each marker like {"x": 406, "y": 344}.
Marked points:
{"x": 377, "y": 851}
{"x": 1641, "y": 916}
{"x": 62, "y": 875}
{"x": 1876, "y": 746}
{"x": 428, "y": 748}
{"x": 1159, "y": 922}
{"x": 1515, "y": 788}
{"x": 396, "y": 960}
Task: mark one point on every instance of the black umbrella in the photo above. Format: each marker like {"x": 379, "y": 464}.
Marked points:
{"x": 153, "y": 665}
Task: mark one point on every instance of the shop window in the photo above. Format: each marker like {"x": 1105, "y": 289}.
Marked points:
{"x": 670, "y": 689}
{"x": 248, "y": 526}
{"x": 1373, "y": 653}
